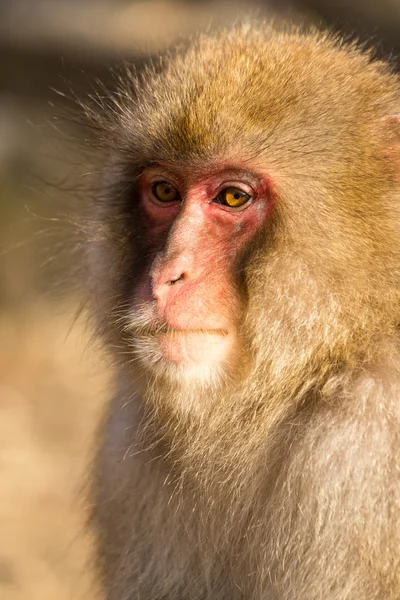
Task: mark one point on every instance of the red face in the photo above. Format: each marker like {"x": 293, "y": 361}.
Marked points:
{"x": 196, "y": 229}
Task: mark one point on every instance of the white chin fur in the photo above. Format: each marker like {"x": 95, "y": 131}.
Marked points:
{"x": 206, "y": 371}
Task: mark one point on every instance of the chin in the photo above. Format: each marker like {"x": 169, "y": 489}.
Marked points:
{"x": 183, "y": 357}
{"x": 195, "y": 347}
{"x": 191, "y": 361}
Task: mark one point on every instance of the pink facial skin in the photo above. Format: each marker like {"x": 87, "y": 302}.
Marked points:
{"x": 194, "y": 244}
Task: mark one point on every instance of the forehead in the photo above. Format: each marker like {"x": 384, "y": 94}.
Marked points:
{"x": 239, "y": 97}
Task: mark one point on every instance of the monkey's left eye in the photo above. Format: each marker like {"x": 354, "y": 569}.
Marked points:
{"x": 165, "y": 192}
{"x": 232, "y": 197}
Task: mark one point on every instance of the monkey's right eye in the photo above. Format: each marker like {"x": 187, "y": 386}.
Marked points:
{"x": 165, "y": 192}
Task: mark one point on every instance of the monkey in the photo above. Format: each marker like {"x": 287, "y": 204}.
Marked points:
{"x": 243, "y": 266}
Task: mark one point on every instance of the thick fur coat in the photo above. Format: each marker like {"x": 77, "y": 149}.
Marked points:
{"x": 279, "y": 478}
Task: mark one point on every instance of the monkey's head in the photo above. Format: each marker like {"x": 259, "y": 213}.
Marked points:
{"x": 249, "y": 209}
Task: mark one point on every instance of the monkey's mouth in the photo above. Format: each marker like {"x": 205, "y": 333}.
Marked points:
{"x": 183, "y": 346}
{"x": 155, "y": 340}
{"x": 167, "y": 330}
{"x": 194, "y": 346}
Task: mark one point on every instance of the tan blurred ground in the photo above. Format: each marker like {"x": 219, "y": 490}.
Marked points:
{"x": 52, "y": 388}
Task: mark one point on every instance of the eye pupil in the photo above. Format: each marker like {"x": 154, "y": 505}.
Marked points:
{"x": 164, "y": 192}
{"x": 232, "y": 197}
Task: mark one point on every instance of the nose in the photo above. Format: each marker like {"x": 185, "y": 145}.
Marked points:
{"x": 181, "y": 263}
{"x": 167, "y": 272}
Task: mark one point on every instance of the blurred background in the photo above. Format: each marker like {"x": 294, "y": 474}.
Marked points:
{"x": 53, "y": 380}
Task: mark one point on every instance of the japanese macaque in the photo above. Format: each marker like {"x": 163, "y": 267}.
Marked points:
{"x": 245, "y": 275}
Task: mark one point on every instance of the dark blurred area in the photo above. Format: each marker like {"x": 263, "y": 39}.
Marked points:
{"x": 53, "y": 382}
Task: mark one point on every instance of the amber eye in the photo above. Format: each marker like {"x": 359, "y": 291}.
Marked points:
{"x": 165, "y": 192}
{"x": 232, "y": 197}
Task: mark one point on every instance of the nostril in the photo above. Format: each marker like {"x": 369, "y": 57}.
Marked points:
{"x": 175, "y": 279}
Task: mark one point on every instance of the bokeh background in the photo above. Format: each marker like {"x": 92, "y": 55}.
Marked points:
{"x": 53, "y": 378}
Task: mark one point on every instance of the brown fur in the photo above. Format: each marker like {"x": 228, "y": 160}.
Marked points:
{"x": 279, "y": 481}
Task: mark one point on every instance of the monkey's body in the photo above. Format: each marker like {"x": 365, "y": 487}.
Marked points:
{"x": 252, "y": 448}
{"x": 320, "y": 522}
